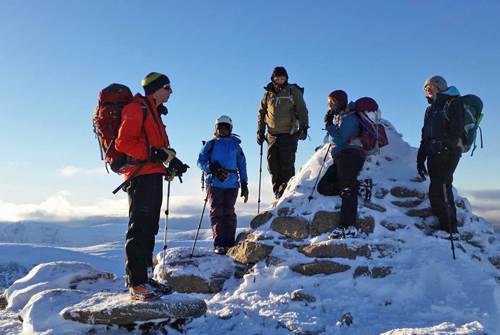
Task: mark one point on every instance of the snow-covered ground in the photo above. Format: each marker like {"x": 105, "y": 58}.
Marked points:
{"x": 427, "y": 292}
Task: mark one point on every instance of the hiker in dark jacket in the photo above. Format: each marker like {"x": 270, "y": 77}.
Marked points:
{"x": 440, "y": 146}
{"x": 284, "y": 113}
{"x": 343, "y": 127}
{"x": 223, "y": 161}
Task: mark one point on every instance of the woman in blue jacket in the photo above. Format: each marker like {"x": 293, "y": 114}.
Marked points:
{"x": 343, "y": 127}
{"x": 224, "y": 163}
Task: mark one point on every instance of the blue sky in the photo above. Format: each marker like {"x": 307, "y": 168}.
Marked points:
{"x": 55, "y": 56}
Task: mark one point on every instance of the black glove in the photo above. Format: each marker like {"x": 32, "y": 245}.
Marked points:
{"x": 217, "y": 170}
{"x": 421, "y": 157}
{"x": 261, "y": 137}
{"x": 162, "y": 155}
{"x": 179, "y": 167}
{"x": 244, "y": 192}
{"x": 302, "y": 133}
{"x": 328, "y": 118}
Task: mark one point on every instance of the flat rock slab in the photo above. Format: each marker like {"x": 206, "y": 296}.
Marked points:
{"x": 260, "y": 219}
{"x": 421, "y": 213}
{"x": 291, "y": 226}
{"x": 407, "y": 204}
{"x": 325, "y": 222}
{"x": 321, "y": 267}
{"x": 403, "y": 192}
{"x": 332, "y": 250}
{"x": 118, "y": 309}
{"x": 249, "y": 252}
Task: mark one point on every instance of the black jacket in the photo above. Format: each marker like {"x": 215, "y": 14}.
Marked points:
{"x": 443, "y": 122}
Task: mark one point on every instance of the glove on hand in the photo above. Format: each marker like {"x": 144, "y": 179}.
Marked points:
{"x": 217, "y": 170}
{"x": 302, "y": 133}
{"x": 244, "y": 192}
{"x": 328, "y": 118}
{"x": 421, "y": 157}
{"x": 162, "y": 155}
{"x": 261, "y": 137}
{"x": 178, "y": 167}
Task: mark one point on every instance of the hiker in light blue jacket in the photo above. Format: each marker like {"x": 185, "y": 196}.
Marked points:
{"x": 224, "y": 163}
{"x": 343, "y": 127}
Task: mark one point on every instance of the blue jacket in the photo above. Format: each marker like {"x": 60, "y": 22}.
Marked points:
{"x": 343, "y": 132}
{"x": 226, "y": 151}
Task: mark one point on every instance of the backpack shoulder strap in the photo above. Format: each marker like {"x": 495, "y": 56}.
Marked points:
{"x": 145, "y": 110}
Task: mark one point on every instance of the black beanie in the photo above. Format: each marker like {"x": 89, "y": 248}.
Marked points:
{"x": 154, "y": 81}
{"x": 279, "y": 71}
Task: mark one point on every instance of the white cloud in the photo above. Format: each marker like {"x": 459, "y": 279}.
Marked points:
{"x": 72, "y": 171}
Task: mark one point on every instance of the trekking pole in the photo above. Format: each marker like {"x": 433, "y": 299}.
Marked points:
{"x": 201, "y": 218}
{"x": 260, "y": 177}
{"x": 310, "y": 197}
{"x": 166, "y": 225}
{"x": 448, "y": 216}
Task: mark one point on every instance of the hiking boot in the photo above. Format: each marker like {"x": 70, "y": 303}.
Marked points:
{"x": 220, "y": 250}
{"x": 159, "y": 288}
{"x": 337, "y": 233}
{"x": 143, "y": 293}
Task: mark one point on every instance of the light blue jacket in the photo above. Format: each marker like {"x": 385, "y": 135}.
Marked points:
{"x": 227, "y": 151}
{"x": 343, "y": 132}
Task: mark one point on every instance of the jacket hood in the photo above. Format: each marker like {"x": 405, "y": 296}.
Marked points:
{"x": 232, "y": 137}
{"x": 451, "y": 91}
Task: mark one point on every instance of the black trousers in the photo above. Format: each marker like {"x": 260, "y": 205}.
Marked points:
{"x": 441, "y": 166}
{"x": 144, "y": 197}
{"x": 222, "y": 215}
{"x": 341, "y": 178}
{"x": 281, "y": 151}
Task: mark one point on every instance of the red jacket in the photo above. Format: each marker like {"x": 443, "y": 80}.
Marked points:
{"x": 131, "y": 139}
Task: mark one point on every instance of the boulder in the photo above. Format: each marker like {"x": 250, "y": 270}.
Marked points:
{"x": 324, "y": 222}
{"x": 319, "y": 267}
{"x": 403, "y": 192}
{"x": 3, "y": 301}
{"x": 374, "y": 206}
{"x": 249, "y": 252}
{"x": 332, "y": 250}
{"x": 495, "y": 261}
{"x": 391, "y": 225}
{"x": 361, "y": 271}
{"x": 421, "y": 213}
{"x": 407, "y": 204}
{"x": 365, "y": 224}
{"x": 260, "y": 219}
{"x": 384, "y": 250}
{"x": 291, "y": 226}
{"x": 118, "y": 309}
{"x": 300, "y": 295}
{"x": 205, "y": 272}
{"x": 375, "y": 272}
{"x": 285, "y": 211}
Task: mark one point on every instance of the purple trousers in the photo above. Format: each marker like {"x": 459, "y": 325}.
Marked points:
{"x": 222, "y": 215}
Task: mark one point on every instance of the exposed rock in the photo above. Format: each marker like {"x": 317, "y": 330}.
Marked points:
{"x": 249, "y": 252}
{"x": 495, "y": 261}
{"x": 403, "y": 192}
{"x": 421, "y": 213}
{"x": 299, "y": 295}
{"x": 324, "y": 222}
{"x": 243, "y": 236}
{"x": 361, "y": 271}
{"x": 291, "y": 244}
{"x": 110, "y": 308}
{"x": 242, "y": 269}
{"x": 195, "y": 284}
{"x": 391, "y": 225}
{"x": 260, "y": 219}
{"x": 380, "y": 271}
{"x": 345, "y": 320}
{"x": 460, "y": 203}
{"x": 291, "y": 226}
{"x": 273, "y": 261}
{"x": 10, "y": 272}
{"x": 374, "y": 206}
{"x": 331, "y": 250}
{"x": 384, "y": 250}
{"x": 3, "y": 301}
{"x": 407, "y": 204}
{"x": 380, "y": 193}
{"x": 365, "y": 224}
{"x": 285, "y": 211}
{"x": 319, "y": 267}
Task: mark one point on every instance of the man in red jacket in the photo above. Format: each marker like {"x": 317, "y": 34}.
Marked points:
{"x": 142, "y": 137}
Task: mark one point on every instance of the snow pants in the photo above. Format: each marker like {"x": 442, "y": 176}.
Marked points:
{"x": 441, "y": 167}
{"x": 144, "y": 197}
{"x": 222, "y": 215}
{"x": 281, "y": 151}
{"x": 341, "y": 178}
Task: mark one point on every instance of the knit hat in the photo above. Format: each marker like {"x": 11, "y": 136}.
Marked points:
{"x": 279, "y": 71}
{"x": 437, "y": 81}
{"x": 340, "y": 97}
{"x": 154, "y": 81}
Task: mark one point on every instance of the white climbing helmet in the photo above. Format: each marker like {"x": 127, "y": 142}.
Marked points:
{"x": 224, "y": 119}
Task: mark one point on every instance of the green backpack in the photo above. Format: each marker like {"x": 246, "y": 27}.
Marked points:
{"x": 473, "y": 107}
